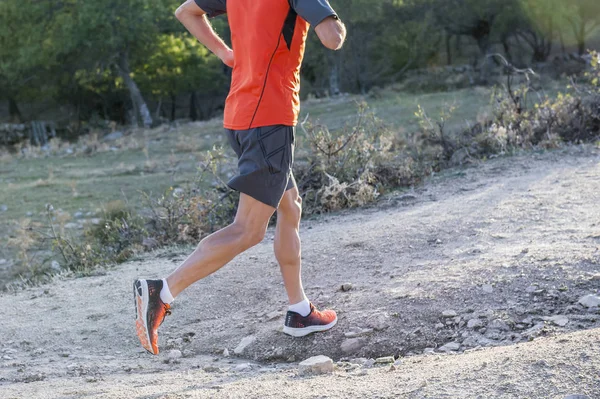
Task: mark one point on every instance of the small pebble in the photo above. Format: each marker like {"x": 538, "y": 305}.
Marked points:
{"x": 449, "y": 313}
{"x": 487, "y": 288}
{"x": 346, "y": 287}
{"x": 384, "y": 360}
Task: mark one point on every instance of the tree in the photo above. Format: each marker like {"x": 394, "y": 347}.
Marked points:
{"x": 179, "y": 64}
{"x": 478, "y": 19}
{"x": 24, "y": 58}
{"x": 115, "y": 34}
{"x": 385, "y": 39}
{"x": 584, "y": 18}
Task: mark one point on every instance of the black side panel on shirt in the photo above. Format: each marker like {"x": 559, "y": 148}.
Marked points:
{"x": 289, "y": 27}
{"x": 212, "y": 8}
{"x": 313, "y": 11}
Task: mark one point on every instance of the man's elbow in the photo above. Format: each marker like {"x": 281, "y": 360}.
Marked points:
{"x": 332, "y": 33}
{"x": 189, "y": 8}
{"x": 334, "y": 42}
{"x": 180, "y": 12}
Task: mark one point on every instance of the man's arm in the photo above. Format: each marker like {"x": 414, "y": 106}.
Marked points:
{"x": 194, "y": 19}
{"x": 318, "y": 13}
{"x": 332, "y": 33}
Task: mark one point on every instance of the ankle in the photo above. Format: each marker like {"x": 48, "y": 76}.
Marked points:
{"x": 165, "y": 293}
{"x": 302, "y": 307}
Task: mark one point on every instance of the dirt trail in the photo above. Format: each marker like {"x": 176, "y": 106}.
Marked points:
{"x": 483, "y": 259}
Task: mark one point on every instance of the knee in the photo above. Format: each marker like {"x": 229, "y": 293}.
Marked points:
{"x": 250, "y": 235}
{"x": 291, "y": 210}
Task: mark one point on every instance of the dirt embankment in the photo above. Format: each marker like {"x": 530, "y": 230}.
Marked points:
{"x": 487, "y": 264}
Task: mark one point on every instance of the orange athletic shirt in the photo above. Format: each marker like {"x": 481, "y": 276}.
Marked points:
{"x": 268, "y": 39}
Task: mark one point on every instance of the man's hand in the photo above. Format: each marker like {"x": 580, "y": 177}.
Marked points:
{"x": 194, "y": 19}
{"x": 332, "y": 33}
{"x": 227, "y": 57}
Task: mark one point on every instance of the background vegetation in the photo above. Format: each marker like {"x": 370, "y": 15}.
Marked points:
{"x": 125, "y": 163}
{"x": 81, "y": 64}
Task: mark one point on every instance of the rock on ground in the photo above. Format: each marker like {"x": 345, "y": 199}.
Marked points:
{"x": 449, "y": 313}
{"x": 347, "y": 287}
{"x": 316, "y": 365}
{"x": 351, "y": 345}
{"x": 450, "y": 347}
{"x": 174, "y": 354}
{"x": 560, "y": 320}
{"x": 487, "y": 288}
{"x": 590, "y": 301}
{"x": 474, "y": 323}
{"x": 246, "y": 342}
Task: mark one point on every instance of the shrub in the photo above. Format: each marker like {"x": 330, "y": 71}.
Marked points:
{"x": 185, "y": 215}
{"x": 339, "y": 172}
{"x": 346, "y": 168}
{"x": 120, "y": 232}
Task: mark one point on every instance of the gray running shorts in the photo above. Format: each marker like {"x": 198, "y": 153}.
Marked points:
{"x": 265, "y": 159}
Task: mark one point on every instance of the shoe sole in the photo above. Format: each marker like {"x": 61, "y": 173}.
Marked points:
{"x": 302, "y": 332}
{"x": 141, "y": 298}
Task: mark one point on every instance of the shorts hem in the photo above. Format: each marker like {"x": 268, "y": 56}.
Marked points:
{"x": 257, "y": 197}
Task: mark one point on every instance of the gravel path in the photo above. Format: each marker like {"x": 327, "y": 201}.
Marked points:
{"x": 482, "y": 284}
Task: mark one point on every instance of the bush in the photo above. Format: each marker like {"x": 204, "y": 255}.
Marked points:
{"x": 342, "y": 169}
{"x": 339, "y": 172}
{"x": 120, "y": 232}
{"x": 570, "y": 117}
{"x": 188, "y": 214}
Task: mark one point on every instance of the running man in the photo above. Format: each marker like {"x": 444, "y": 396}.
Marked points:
{"x": 268, "y": 39}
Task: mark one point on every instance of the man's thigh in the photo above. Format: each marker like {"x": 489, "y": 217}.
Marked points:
{"x": 253, "y": 213}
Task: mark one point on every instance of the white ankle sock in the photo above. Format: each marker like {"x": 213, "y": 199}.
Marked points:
{"x": 302, "y": 308}
{"x": 165, "y": 293}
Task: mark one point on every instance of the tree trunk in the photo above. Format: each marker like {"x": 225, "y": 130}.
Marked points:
{"x": 158, "y": 109}
{"x": 448, "y": 49}
{"x": 562, "y": 42}
{"x": 334, "y": 80}
{"x": 506, "y": 47}
{"x": 581, "y": 37}
{"x": 141, "y": 111}
{"x": 581, "y": 44}
{"x": 173, "y": 107}
{"x": 13, "y": 111}
{"x": 193, "y": 107}
{"x": 484, "y": 67}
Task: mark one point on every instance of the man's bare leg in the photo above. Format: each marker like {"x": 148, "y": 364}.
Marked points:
{"x": 302, "y": 317}
{"x": 288, "y": 246}
{"x": 153, "y": 297}
{"x": 218, "y": 249}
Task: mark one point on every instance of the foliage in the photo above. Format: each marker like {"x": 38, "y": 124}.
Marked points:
{"x": 339, "y": 172}
{"x": 188, "y": 214}
{"x": 349, "y": 167}
{"x": 130, "y": 60}
{"x": 119, "y": 232}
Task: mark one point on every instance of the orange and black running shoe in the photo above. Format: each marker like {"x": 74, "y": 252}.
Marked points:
{"x": 150, "y": 312}
{"x": 298, "y": 326}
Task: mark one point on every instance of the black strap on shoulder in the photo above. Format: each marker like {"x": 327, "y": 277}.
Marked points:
{"x": 289, "y": 27}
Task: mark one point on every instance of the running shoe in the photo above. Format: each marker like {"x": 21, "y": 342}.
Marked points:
{"x": 150, "y": 312}
{"x": 297, "y": 325}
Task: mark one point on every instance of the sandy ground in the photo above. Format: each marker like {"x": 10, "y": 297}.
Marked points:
{"x": 483, "y": 258}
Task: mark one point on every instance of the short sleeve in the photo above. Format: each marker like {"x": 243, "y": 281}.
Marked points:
{"x": 212, "y": 8}
{"x": 313, "y": 11}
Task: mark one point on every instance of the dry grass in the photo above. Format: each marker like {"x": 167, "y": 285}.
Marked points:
{"x": 347, "y": 160}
